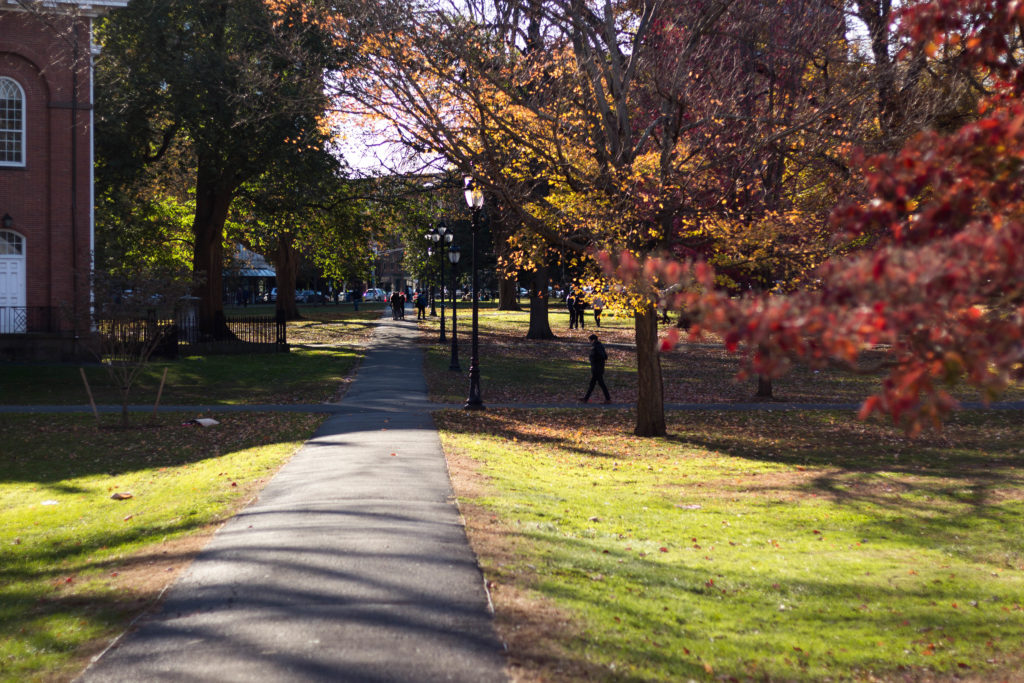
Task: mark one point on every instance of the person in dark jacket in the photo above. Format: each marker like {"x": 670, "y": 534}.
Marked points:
{"x": 580, "y": 304}
{"x": 394, "y": 301}
{"x": 597, "y": 358}
{"x": 421, "y": 305}
{"x": 570, "y": 303}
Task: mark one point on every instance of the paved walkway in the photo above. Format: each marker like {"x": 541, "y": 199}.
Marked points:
{"x": 352, "y": 565}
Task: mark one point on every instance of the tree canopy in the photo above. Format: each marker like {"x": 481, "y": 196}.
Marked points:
{"x": 229, "y": 86}
{"x": 934, "y": 281}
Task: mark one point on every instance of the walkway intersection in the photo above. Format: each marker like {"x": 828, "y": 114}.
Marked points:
{"x": 352, "y": 565}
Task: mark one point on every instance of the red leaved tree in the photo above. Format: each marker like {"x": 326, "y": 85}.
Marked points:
{"x": 938, "y": 285}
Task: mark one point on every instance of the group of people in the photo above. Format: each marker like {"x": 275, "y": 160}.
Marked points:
{"x": 576, "y": 302}
{"x": 397, "y": 301}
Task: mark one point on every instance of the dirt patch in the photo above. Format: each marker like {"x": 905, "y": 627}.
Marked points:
{"x": 146, "y": 575}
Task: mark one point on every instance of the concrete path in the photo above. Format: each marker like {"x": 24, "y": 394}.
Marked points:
{"x": 352, "y": 565}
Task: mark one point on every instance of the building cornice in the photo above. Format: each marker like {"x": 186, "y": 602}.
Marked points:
{"x": 89, "y": 8}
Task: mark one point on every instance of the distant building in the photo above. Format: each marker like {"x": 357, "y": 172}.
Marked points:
{"x": 46, "y": 174}
{"x": 391, "y": 274}
{"x": 248, "y": 278}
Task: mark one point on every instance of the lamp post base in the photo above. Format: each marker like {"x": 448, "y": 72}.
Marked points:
{"x": 474, "y": 402}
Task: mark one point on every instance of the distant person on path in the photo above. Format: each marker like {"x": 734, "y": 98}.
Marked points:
{"x": 357, "y": 296}
{"x": 579, "y": 305}
{"x": 597, "y": 358}
{"x": 570, "y": 303}
{"x": 421, "y": 305}
{"x": 394, "y": 305}
{"x": 598, "y": 304}
{"x": 402, "y": 299}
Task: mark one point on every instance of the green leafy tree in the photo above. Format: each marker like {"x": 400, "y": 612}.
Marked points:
{"x": 233, "y": 84}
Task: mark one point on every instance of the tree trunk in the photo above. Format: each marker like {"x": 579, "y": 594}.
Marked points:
{"x": 286, "y": 263}
{"x": 650, "y": 402}
{"x": 540, "y": 328}
{"x": 507, "y": 295}
{"x": 212, "y": 202}
{"x": 764, "y": 387}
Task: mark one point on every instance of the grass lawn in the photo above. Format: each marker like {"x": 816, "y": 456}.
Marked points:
{"x": 325, "y": 350}
{"x": 747, "y": 546}
{"x": 514, "y": 369}
{"x": 76, "y": 565}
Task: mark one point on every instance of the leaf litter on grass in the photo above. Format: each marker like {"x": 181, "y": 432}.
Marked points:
{"x": 778, "y": 547}
{"x": 518, "y": 370}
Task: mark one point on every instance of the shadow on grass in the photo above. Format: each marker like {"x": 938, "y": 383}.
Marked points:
{"x": 925, "y": 492}
{"x": 58, "y": 560}
{"x": 50, "y": 449}
{"x": 673, "y": 616}
{"x": 302, "y": 376}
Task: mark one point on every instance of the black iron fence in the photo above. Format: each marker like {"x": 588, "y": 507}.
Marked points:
{"x": 243, "y": 334}
{"x": 124, "y": 338}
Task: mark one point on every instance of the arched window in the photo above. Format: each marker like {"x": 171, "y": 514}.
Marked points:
{"x": 11, "y": 244}
{"x": 12, "y": 123}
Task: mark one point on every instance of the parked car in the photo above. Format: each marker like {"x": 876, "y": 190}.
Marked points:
{"x": 375, "y": 294}
{"x": 270, "y": 297}
{"x": 308, "y": 296}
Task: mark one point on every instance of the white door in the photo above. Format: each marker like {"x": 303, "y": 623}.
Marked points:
{"x": 12, "y": 283}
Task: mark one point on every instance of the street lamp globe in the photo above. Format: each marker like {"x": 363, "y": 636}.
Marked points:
{"x": 474, "y": 195}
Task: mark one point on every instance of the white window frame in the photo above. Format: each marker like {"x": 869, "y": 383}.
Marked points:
{"x": 22, "y": 133}
{"x": 12, "y": 239}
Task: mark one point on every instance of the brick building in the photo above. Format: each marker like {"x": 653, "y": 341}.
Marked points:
{"x": 46, "y": 174}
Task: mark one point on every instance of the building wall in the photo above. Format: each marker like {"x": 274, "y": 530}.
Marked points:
{"x": 50, "y": 198}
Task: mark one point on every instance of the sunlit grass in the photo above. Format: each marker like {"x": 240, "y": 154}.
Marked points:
{"x": 761, "y": 546}
{"x": 68, "y": 549}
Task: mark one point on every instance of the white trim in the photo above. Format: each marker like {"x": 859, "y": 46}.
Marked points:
{"x": 11, "y": 322}
{"x": 24, "y": 126}
{"x": 90, "y": 8}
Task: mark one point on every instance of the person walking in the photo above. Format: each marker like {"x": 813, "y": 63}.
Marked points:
{"x": 598, "y": 304}
{"x": 570, "y": 303}
{"x": 421, "y": 305}
{"x": 597, "y": 358}
{"x": 394, "y": 305}
{"x": 579, "y": 305}
{"x": 401, "y": 304}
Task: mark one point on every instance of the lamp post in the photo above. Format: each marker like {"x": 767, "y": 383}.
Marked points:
{"x": 444, "y": 236}
{"x": 453, "y": 255}
{"x": 432, "y": 239}
{"x": 475, "y": 201}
